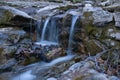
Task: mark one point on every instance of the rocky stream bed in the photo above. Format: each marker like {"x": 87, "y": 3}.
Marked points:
{"x": 59, "y": 39}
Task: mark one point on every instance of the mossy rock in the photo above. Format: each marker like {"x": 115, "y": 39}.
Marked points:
{"x": 5, "y": 17}
{"x": 58, "y": 1}
{"x": 87, "y": 22}
{"x": 2, "y": 57}
{"x": 80, "y": 78}
{"x": 31, "y": 60}
{"x": 1, "y": 50}
{"x": 65, "y": 8}
{"x": 113, "y": 8}
{"x": 76, "y": 1}
{"x": 92, "y": 47}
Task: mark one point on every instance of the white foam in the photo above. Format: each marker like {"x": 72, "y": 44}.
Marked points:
{"x": 46, "y": 43}
{"x": 25, "y": 76}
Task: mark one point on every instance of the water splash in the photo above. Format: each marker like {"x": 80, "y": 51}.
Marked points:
{"x": 44, "y": 28}
{"x": 46, "y": 43}
{"x": 25, "y": 76}
{"x": 74, "y": 19}
{"x": 49, "y": 35}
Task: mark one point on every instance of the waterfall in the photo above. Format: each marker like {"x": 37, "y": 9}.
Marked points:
{"x": 38, "y": 30}
{"x": 53, "y": 31}
{"x": 49, "y": 35}
{"x": 44, "y": 28}
{"x": 74, "y": 19}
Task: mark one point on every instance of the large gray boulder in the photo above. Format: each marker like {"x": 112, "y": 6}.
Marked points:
{"x": 84, "y": 71}
{"x": 8, "y": 65}
{"x": 12, "y": 16}
{"x": 102, "y": 17}
{"x": 10, "y": 36}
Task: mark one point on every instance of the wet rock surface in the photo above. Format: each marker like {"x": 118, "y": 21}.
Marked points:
{"x": 8, "y": 65}
{"x": 102, "y": 17}
{"x": 95, "y": 40}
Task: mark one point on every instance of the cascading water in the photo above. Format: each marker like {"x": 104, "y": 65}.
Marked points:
{"x": 49, "y": 32}
{"x": 74, "y": 19}
{"x": 52, "y": 36}
{"x": 44, "y": 28}
{"x": 38, "y": 30}
{"x": 53, "y": 31}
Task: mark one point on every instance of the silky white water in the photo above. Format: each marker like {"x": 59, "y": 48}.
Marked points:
{"x": 74, "y": 19}
{"x": 28, "y": 74}
{"x": 44, "y": 28}
{"x": 46, "y": 43}
{"x": 25, "y": 76}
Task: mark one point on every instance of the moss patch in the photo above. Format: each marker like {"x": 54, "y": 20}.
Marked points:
{"x": 6, "y": 17}
{"x": 31, "y": 60}
{"x": 65, "y": 8}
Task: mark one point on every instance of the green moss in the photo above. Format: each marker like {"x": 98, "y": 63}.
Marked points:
{"x": 65, "y": 8}
{"x": 5, "y": 18}
{"x": 8, "y": 16}
{"x": 92, "y": 47}
{"x": 1, "y": 50}
{"x": 87, "y": 23}
{"x": 79, "y": 78}
{"x": 31, "y": 60}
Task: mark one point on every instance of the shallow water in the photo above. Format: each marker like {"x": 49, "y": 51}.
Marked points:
{"x": 58, "y": 60}
{"x": 28, "y": 74}
{"x": 25, "y": 76}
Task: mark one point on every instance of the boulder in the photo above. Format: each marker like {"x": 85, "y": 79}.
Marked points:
{"x": 55, "y": 53}
{"x": 109, "y": 2}
{"x": 93, "y": 47}
{"x": 10, "y": 36}
{"x": 12, "y": 16}
{"x": 76, "y": 70}
{"x": 9, "y": 51}
{"x": 8, "y": 65}
{"x": 96, "y": 15}
{"x": 113, "y": 8}
{"x": 84, "y": 71}
{"x": 2, "y": 57}
{"x": 102, "y": 17}
{"x": 115, "y": 35}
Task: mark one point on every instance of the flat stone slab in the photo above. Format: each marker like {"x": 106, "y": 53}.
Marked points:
{"x": 102, "y": 17}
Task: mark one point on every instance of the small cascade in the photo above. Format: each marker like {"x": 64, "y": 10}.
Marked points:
{"x": 38, "y": 30}
{"x": 49, "y": 35}
{"x": 53, "y": 31}
{"x": 74, "y": 19}
{"x": 31, "y": 28}
{"x": 27, "y": 75}
{"x": 44, "y": 28}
